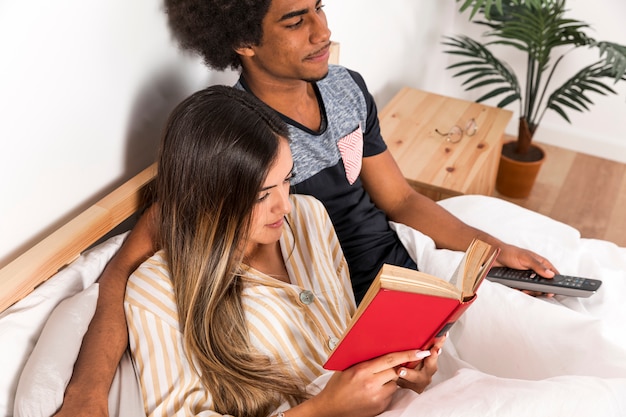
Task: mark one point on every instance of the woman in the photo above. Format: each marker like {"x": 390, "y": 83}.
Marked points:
{"x": 238, "y": 312}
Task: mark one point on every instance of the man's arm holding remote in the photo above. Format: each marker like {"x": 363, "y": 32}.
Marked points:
{"x": 107, "y": 337}
{"x": 392, "y": 193}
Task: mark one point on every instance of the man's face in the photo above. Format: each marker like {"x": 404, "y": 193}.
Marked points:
{"x": 296, "y": 41}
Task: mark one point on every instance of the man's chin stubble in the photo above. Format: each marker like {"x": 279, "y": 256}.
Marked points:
{"x": 316, "y": 79}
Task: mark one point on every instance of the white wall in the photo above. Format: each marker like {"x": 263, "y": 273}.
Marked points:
{"x": 85, "y": 87}
{"x": 400, "y": 44}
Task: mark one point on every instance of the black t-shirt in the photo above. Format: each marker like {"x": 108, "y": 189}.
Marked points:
{"x": 327, "y": 166}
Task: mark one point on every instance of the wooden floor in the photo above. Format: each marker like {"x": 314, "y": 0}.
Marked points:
{"x": 584, "y": 191}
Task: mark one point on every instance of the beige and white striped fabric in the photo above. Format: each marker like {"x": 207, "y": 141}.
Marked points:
{"x": 296, "y": 323}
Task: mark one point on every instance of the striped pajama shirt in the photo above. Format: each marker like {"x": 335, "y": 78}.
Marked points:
{"x": 296, "y": 323}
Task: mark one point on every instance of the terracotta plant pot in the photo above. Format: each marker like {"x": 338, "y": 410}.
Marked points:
{"x": 515, "y": 178}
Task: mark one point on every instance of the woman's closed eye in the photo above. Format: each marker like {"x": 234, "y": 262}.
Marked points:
{"x": 263, "y": 194}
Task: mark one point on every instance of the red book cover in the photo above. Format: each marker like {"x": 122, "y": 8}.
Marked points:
{"x": 392, "y": 319}
{"x": 393, "y": 322}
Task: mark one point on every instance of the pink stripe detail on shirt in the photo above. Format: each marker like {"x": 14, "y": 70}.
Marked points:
{"x": 351, "y": 149}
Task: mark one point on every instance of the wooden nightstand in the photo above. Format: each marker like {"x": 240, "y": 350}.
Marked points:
{"x": 434, "y": 166}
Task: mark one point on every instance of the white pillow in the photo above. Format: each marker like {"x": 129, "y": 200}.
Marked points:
{"x": 21, "y": 324}
{"x": 49, "y": 368}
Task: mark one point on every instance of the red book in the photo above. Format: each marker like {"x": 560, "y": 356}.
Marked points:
{"x": 406, "y": 309}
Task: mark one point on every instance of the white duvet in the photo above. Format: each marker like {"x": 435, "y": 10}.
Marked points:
{"x": 510, "y": 354}
{"x": 515, "y": 355}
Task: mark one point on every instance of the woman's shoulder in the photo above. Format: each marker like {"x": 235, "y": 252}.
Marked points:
{"x": 306, "y": 204}
{"x": 155, "y": 266}
{"x": 153, "y": 275}
{"x": 308, "y": 213}
{"x": 150, "y": 290}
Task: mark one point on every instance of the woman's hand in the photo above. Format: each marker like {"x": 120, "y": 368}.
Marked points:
{"x": 418, "y": 374}
{"x": 365, "y": 389}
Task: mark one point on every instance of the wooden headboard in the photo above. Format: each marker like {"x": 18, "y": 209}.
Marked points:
{"x": 64, "y": 245}
{"x": 60, "y": 248}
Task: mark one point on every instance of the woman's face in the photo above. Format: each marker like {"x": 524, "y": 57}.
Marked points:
{"x": 272, "y": 201}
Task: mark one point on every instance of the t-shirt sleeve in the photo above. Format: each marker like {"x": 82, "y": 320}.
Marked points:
{"x": 373, "y": 142}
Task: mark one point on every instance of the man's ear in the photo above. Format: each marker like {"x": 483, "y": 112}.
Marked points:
{"x": 245, "y": 51}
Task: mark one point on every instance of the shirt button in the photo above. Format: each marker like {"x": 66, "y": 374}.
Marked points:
{"x": 306, "y": 297}
{"x": 332, "y": 342}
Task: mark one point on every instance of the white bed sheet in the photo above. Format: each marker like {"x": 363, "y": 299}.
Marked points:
{"x": 515, "y": 355}
{"x": 510, "y": 354}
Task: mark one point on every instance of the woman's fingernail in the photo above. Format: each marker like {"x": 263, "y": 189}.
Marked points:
{"x": 402, "y": 373}
{"x": 421, "y": 354}
{"x": 439, "y": 351}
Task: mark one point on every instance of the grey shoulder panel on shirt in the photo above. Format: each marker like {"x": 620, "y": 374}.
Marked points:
{"x": 345, "y": 109}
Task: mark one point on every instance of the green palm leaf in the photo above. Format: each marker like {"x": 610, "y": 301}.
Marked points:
{"x": 488, "y": 6}
{"x": 536, "y": 30}
{"x": 573, "y": 94}
{"x": 482, "y": 68}
{"x": 615, "y": 57}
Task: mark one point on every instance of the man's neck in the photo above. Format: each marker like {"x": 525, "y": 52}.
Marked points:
{"x": 295, "y": 99}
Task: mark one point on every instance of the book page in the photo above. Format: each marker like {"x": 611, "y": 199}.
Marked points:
{"x": 409, "y": 280}
{"x": 473, "y": 267}
{"x": 397, "y": 278}
{"x": 459, "y": 273}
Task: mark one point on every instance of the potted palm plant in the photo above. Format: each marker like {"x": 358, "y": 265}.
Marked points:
{"x": 539, "y": 30}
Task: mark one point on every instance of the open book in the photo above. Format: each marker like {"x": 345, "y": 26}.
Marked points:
{"x": 406, "y": 309}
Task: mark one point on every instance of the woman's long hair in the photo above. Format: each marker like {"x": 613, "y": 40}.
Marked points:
{"x": 217, "y": 149}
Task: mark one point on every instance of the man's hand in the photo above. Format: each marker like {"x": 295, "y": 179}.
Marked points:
{"x": 518, "y": 258}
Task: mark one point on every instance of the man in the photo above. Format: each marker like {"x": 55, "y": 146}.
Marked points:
{"x": 281, "y": 48}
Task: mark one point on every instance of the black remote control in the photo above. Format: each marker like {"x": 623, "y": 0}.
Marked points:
{"x": 530, "y": 280}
